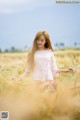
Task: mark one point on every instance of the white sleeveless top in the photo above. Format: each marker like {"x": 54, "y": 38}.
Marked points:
{"x": 45, "y": 65}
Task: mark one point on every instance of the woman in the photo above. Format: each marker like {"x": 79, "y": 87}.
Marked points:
{"x": 41, "y": 62}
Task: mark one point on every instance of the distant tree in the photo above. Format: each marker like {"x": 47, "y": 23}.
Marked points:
{"x": 62, "y": 44}
{"x": 75, "y": 43}
{"x": 12, "y": 48}
{"x": 56, "y": 44}
{"x": 0, "y": 50}
{"x": 6, "y": 50}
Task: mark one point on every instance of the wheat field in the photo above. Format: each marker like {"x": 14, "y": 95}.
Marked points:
{"x": 29, "y": 100}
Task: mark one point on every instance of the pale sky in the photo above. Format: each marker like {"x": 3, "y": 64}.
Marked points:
{"x": 20, "y": 20}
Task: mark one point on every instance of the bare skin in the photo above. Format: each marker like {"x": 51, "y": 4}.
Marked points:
{"x": 41, "y": 42}
{"x": 66, "y": 70}
{"x": 49, "y": 83}
{"x": 40, "y": 45}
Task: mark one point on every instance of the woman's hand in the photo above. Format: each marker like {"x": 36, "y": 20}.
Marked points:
{"x": 66, "y": 70}
{"x": 21, "y": 76}
{"x": 71, "y": 70}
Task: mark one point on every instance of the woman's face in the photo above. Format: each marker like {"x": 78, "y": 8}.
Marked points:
{"x": 41, "y": 42}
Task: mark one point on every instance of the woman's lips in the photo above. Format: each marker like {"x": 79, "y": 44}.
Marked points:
{"x": 39, "y": 44}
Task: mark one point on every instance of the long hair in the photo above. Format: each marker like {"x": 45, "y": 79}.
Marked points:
{"x": 30, "y": 58}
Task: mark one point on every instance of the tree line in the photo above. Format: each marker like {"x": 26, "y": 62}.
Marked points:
{"x": 26, "y": 48}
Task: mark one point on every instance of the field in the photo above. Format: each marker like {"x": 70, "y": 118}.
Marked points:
{"x": 28, "y": 100}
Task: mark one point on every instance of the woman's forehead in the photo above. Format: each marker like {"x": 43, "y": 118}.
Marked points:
{"x": 42, "y": 37}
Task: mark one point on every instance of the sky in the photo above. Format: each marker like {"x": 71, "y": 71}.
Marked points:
{"x": 20, "y": 20}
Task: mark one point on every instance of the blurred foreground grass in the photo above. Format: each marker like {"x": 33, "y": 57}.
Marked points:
{"x": 27, "y": 100}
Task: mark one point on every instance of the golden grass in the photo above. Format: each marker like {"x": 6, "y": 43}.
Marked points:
{"x": 29, "y": 100}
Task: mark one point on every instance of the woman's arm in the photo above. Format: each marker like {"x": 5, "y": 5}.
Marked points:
{"x": 65, "y": 70}
{"x": 54, "y": 66}
{"x": 27, "y": 70}
{"x": 24, "y": 73}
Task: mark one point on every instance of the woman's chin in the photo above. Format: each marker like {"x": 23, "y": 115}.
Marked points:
{"x": 39, "y": 46}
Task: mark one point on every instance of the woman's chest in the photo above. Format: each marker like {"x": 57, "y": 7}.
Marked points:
{"x": 42, "y": 56}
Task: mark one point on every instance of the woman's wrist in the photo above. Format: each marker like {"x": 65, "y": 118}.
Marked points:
{"x": 23, "y": 75}
{"x": 65, "y": 70}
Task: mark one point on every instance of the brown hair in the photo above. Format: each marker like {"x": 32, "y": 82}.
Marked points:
{"x": 30, "y": 58}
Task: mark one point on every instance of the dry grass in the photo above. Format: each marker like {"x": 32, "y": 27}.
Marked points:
{"x": 28, "y": 100}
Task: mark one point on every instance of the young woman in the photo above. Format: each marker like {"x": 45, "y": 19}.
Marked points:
{"x": 41, "y": 62}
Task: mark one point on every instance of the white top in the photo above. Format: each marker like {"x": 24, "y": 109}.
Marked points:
{"x": 45, "y": 65}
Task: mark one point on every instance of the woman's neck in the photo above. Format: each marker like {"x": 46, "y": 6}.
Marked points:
{"x": 43, "y": 48}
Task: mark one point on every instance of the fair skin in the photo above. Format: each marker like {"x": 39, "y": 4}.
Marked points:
{"x": 40, "y": 44}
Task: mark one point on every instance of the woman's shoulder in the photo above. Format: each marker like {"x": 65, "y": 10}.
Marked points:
{"x": 51, "y": 51}
{"x": 47, "y": 50}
